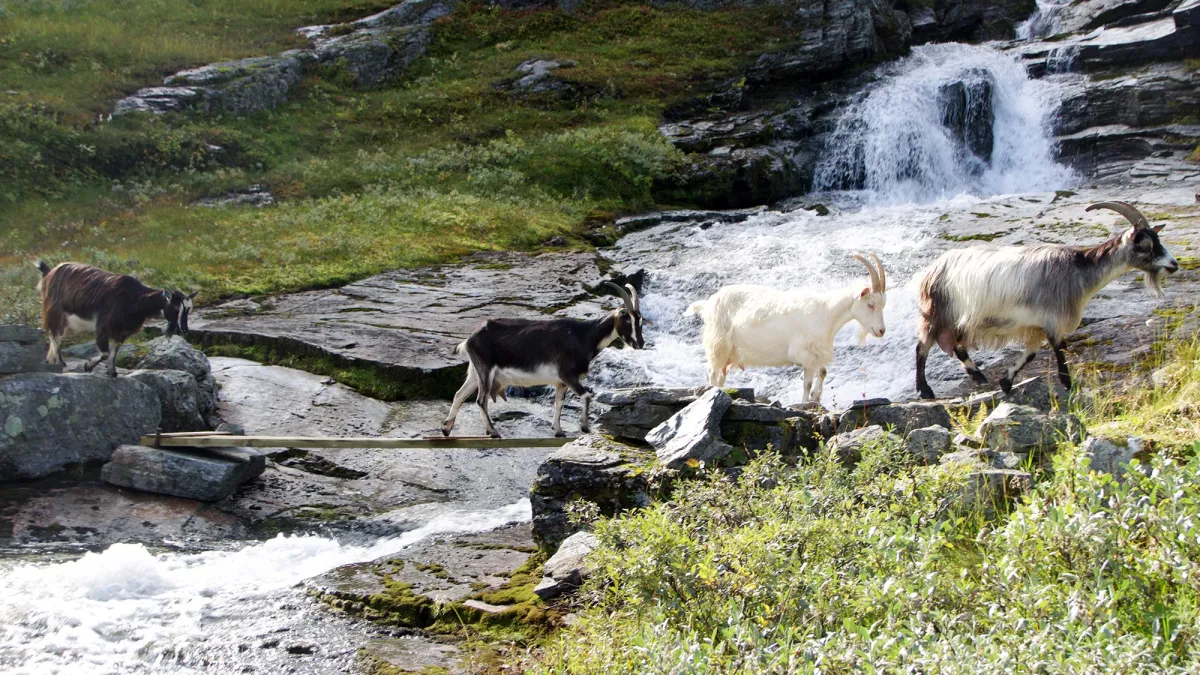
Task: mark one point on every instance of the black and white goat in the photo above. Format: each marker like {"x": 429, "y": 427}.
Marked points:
{"x": 993, "y": 296}
{"x": 533, "y": 352}
{"x": 79, "y": 297}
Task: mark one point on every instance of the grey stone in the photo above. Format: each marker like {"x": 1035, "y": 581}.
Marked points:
{"x": 1022, "y": 429}
{"x": 192, "y": 474}
{"x": 373, "y": 57}
{"x": 849, "y": 445}
{"x": 16, "y": 357}
{"x": 693, "y": 433}
{"x": 665, "y": 395}
{"x": 537, "y": 76}
{"x": 254, "y": 195}
{"x": 929, "y": 443}
{"x": 1109, "y": 455}
{"x": 21, "y": 334}
{"x": 740, "y": 411}
{"x": 177, "y": 393}
{"x": 568, "y": 568}
{"x": 1042, "y": 393}
{"x": 48, "y": 421}
{"x": 175, "y": 353}
{"x": 902, "y": 418}
{"x": 987, "y": 489}
{"x": 593, "y": 468}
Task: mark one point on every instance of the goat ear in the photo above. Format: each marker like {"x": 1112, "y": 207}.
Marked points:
{"x": 1159, "y": 227}
{"x": 865, "y": 293}
{"x": 193, "y": 294}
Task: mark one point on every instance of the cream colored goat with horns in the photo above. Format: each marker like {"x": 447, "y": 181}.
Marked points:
{"x": 757, "y": 326}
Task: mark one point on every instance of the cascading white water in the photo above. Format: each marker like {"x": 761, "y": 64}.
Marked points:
{"x": 1044, "y": 21}
{"x": 897, "y": 143}
{"x": 913, "y": 171}
{"x": 129, "y": 610}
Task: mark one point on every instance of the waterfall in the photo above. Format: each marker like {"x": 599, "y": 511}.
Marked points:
{"x": 1044, "y": 21}
{"x": 947, "y": 119}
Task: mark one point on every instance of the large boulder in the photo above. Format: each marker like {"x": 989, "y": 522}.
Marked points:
{"x": 928, "y": 444}
{"x": 758, "y": 427}
{"x": 900, "y": 417}
{"x": 48, "y": 421}
{"x": 206, "y": 475}
{"x": 178, "y": 394}
{"x": 1022, "y": 429}
{"x": 568, "y": 568}
{"x": 850, "y": 444}
{"x": 591, "y": 468}
{"x": 633, "y": 412}
{"x": 174, "y": 353}
{"x": 694, "y": 433}
{"x": 1112, "y": 455}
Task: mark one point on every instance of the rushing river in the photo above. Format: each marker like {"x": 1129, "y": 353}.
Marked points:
{"x": 903, "y": 154}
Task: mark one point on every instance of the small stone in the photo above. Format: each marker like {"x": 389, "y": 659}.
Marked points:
{"x": 568, "y": 568}
{"x": 849, "y": 445}
{"x": 693, "y": 433}
{"x": 928, "y": 444}
{"x": 1112, "y": 455}
{"x": 1022, "y": 429}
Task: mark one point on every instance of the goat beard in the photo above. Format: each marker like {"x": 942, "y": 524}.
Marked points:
{"x": 862, "y": 336}
{"x": 1153, "y": 280}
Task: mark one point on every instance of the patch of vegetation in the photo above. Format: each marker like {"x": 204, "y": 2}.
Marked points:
{"x": 841, "y": 570}
{"x": 441, "y": 165}
{"x": 434, "y": 569}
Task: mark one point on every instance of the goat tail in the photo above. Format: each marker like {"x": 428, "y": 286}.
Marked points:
{"x": 697, "y": 307}
{"x": 42, "y": 266}
{"x": 461, "y": 348}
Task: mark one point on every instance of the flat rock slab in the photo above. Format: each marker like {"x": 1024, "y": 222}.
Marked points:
{"x": 408, "y": 321}
{"x": 202, "y": 475}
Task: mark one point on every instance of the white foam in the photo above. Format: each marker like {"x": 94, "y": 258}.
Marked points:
{"x": 129, "y": 610}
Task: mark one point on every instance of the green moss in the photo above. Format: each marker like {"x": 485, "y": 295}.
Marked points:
{"x": 1188, "y": 262}
{"x": 983, "y": 215}
{"x": 434, "y": 569}
{"x": 985, "y": 236}
{"x": 378, "y": 382}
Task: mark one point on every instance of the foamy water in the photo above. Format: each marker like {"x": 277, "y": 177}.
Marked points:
{"x": 130, "y": 610}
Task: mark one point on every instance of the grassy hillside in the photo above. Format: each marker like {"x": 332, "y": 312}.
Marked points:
{"x": 838, "y": 570}
{"x": 441, "y": 164}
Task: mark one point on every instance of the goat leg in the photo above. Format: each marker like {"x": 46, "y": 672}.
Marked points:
{"x": 113, "y": 348}
{"x": 464, "y": 392}
{"x": 969, "y": 365}
{"x": 1064, "y": 373}
{"x": 922, "y": 357}
{"x": 585, "y": 394}
{"x": 560, "y": 392}
{"x": 1031, "y": 350}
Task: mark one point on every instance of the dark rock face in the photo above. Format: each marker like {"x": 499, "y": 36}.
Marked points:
{"x": 177, "y": 393}
{"x": 591, "y": 468}
{"x": 205, "y": 475}
{"x": 49, "y": 421}
{"x": 976, "y": 20}
{"x": 968, "y": 113}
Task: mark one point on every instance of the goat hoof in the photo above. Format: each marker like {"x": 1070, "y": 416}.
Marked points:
{"x": 560, "y": 434}
{"x": 585, "y": 430}
{"x": 927, "y": 394}
{"x": 1006, "y": 386}
{"x": 494, "y": 434}
{"x": 979, "y": 377}
{"x": 445, "y": 431}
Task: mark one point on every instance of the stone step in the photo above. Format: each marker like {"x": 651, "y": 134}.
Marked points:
{"x": 208, "y": 475}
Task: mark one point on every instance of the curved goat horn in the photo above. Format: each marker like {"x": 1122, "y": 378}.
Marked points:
{"x": 630, "y": 303}
{"x": 1131, "y": 214}
{"x": 875, "y": 286}
{"x": 637, "y": 304}
{"x": 882, "y": 274}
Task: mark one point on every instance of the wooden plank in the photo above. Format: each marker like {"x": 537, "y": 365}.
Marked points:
{"x": 227, "y": 441}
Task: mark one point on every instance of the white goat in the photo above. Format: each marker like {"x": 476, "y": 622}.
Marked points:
{"x": 747, "y": 325}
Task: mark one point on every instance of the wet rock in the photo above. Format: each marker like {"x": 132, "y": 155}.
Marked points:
{"x": 694, "y": 433}
{"x": 177, "y": 393}
{"x": 206, "y": 475}
{"x": 1022, "y": 429}
{"x": 977, "y": 20}
{"x": 967, "y": 111}
{"x": 900, "y": 417}
{"x": 405, "y": 323}
{"x": 849, "y": 445}
{"x": 608, "y": 474}
{"x": 48, "y": 421}
{"x": 567, "y": 569}
{"x": 175, "y": 353}
{"x": 928, "y": 444}
{"x": 1112, "y": 455}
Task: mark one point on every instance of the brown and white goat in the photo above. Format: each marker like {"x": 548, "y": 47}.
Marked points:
{"x": 80, "y": 298}
{"x": 994, "y": 296}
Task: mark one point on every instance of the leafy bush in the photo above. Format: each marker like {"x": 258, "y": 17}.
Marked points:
{"x": 840, "y": 571}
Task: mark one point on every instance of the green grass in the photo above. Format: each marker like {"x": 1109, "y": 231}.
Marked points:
{"x": 442, "y": 164}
